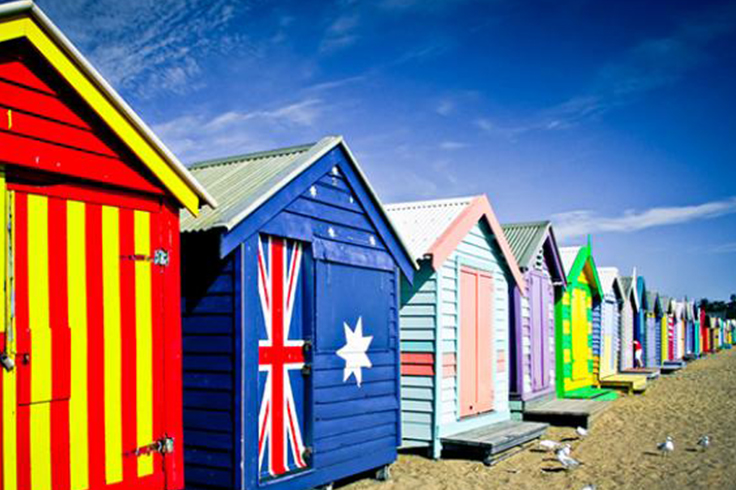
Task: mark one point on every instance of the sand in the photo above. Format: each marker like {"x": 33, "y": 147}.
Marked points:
{"x": 620, "y": 450}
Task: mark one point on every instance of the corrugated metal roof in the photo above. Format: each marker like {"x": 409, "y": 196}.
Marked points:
{"x": 651, "y": 299}
{"x": 608, "y": 276}
{"x": 421, "y": 223}
{"x": 665, "y": 300}
{"x": 241, "y": 183}
{"x": 626, "y": 283}
{"x": 568, "y": 255}
{"x": 525, "y": 240}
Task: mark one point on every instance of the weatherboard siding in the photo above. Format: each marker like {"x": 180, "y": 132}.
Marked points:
{"x": 479, "y": 247}
{"x": 208, "y": 336}
{"x": 626, "y": 354}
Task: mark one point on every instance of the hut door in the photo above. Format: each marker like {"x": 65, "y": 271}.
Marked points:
{"x": 538, "y": 314}
{"x": 87, "y": 307}
{"x": 580, "y": 329}
{"x": 285, "y": 288}
{"x": 476, "y": 342}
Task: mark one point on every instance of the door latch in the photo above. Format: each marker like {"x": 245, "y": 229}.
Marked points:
{"x": 164, "y": 445}
{"x": 7, "y": 363}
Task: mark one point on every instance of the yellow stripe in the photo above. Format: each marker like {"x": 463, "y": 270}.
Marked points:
{"x": 111, "y": 318}
{"x": 38, "y": 318}
{"x": 144, "y": 340}
{"x": 7, "y": 411}
{"x": 77, "y": 284}
{"x": 25, "y": 27}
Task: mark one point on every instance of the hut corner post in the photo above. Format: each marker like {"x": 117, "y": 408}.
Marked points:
{"x": 436, "y": 448}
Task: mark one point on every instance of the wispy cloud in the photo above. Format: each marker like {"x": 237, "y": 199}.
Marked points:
{"x": 195, "y": 137}
{"x": 648, "y": 66}
{"x": 452, "y": 145}
{"x": 144, "y": 47}
{"x": 341, "y": 33}
{"x": 445, "y": 107}
{"x": 724, "y": 248}
{"x": 582, "y": 222}
{"x": 429, "y": 6}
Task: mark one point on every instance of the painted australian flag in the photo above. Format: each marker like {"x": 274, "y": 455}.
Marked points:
{"x": 282, "y": 387}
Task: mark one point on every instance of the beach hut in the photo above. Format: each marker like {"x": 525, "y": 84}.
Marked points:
{"x": 704, "y": 331}
{"x": 455, "y": 357}
{"x": 690, "y": 331}
{"x": 643, "y": 335}
{"x": 532, "y": 335}
{"x": 89, "y": 213}
{"x": 573, "y": 318}
{"x": 629, "y": 311}
{"x": 697, "y": 338}
{"x": 606, "y": 320}
{"x": 290, "y": 322}
{"x": 652, "y": 355}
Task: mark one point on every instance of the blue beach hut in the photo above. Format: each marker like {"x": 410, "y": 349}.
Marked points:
{"x": 290, "y": 323}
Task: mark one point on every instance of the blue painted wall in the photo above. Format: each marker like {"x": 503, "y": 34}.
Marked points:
{"x": 353, "y": 428}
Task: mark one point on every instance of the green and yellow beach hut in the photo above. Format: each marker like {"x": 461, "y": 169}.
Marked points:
{"x": 574, "y": 327}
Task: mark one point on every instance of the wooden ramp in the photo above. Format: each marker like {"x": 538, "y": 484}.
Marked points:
{"x": 496, "y": 440}
{"x": 650, "y": 372}
{"x": 631, "y": 383}
{"x": 566, "y": 412}
{"x": 669, "y": 367}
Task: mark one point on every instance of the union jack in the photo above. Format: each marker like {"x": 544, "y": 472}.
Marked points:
{"x": 280, "y": 433}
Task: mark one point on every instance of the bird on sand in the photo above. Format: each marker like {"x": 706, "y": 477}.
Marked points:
{"x": 581, "y": 432}
{"x": 589, "y": 486}
{"x": 548, "y": 445}
{"x": 666, "y": 447}
{"x": 567, "y": 461}
{"x": 704, "y": 442}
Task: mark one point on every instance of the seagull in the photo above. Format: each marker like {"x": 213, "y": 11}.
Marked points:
{"x": 589, "y": 486}
{"x": 566, "y": 460}
{"x": 581, "y": 432}
{"x": 548, "y": 445}
{"x": 704, "y": 442}
{"x": 666, "y": 447}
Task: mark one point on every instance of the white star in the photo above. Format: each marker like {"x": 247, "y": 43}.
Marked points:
{"x": 354, "y": 351}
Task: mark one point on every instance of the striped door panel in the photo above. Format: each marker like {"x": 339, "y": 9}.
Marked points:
{"x": 87, "y": 344}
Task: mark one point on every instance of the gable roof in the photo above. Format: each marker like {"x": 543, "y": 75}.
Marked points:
{"x": 435, "y": 228}
{"x": 628, "y": 284}
{"x": 527, "y": 239}
{"x": 24, "y": 20}
{"x": 653, "y": 301}
{"x": 666, "y": 303}
{"x": 610, "y": 281}
{"x": 243, "y": 183}
{"x": 579, "y": 260}
{"x": 641, "y": 290}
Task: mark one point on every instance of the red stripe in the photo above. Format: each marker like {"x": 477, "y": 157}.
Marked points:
{"x": 159, "y": 402}
{"x": 23, "y": 339}
{"x": 416, "y": 370}
{"x": 95, "y": 347}
{"x": 277, "y": 371}
{"x": 168, "y": 229}
{"x": 60, "y": 345}
{"x": 417, "y": 358}
{"x": 83, "y": 192}
{"x": 128, "y": 346}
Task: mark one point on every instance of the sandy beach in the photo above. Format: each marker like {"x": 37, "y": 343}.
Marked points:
{"x": 620, "y": 450}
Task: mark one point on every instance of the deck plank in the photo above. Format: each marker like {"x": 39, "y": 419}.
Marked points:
{"x": 496, "y": 438}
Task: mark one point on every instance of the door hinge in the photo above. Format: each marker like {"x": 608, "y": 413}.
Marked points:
{"x": 165, "y": 445}
{"x": 7, "y": 363}
{"x": 160, "y": 257}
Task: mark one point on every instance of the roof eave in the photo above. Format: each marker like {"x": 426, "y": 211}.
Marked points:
{"x": 40, "y": 18}
{"x": 479, "y": 208}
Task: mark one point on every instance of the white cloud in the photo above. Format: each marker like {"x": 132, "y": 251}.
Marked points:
{"x": 445, "y": 107}
{"x": 582, "y": 222}
{"x": 452, "y": 145}
{"x": 485, "y": 124}
{"x": 142, "y": 46}
{"x": 340, "y": 34}
{"x": 196, "y": 137}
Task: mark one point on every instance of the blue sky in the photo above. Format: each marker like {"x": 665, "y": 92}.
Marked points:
{"x": 611, "y": 118}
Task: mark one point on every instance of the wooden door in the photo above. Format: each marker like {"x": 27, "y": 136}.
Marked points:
{"x": 580, "y": 334}
{"x": 537, "y": 319}
{"x": 87, "y": 318}
{"x": 476, "y": 342}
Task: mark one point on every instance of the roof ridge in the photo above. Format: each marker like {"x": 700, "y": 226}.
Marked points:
{"x": 527, "y": 223}
{"x": 450, "y": 201}
{"x": 252, "y": 156}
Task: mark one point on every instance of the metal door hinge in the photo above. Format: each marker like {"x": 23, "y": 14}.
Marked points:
{"x": 7, "y": 363}
{"x": 165, "y": 445}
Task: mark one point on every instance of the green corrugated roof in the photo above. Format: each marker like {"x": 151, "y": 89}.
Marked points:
{"x": 241, "y": 183}
{"x": 525, "y": 240}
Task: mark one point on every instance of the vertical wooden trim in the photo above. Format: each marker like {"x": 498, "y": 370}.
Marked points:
{"x": 439, "y": 355}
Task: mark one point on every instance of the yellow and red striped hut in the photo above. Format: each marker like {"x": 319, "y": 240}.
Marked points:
{"x": 90, "y": 342}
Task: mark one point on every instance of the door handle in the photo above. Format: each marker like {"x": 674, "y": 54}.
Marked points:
{"x": 6, "y": 362}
